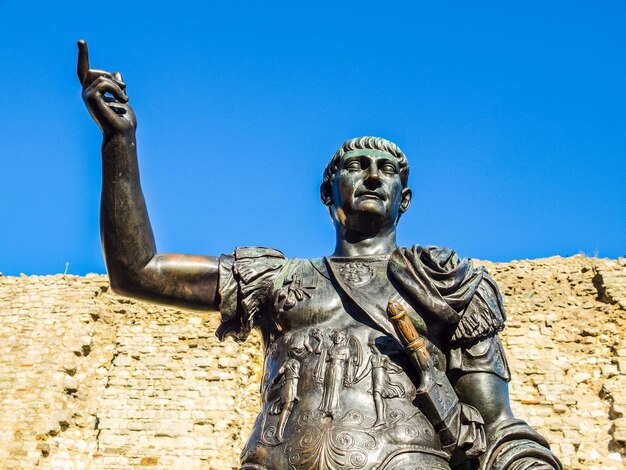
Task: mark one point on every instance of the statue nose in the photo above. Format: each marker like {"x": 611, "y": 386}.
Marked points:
{"x": 372, "y": 180}
{"x": 373, "y": 171}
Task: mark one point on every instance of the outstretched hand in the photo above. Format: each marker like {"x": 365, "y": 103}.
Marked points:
{"x": 104, "y": 94}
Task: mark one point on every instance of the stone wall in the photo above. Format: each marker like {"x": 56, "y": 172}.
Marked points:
{"x": 92, "y": 380}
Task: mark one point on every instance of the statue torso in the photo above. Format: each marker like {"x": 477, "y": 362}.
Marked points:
{"x": 337, "y": 392}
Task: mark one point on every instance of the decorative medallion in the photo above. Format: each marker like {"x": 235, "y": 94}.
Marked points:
{"x": 356, "y": 273}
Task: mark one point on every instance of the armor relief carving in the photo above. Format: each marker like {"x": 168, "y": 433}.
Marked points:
{"x": 337, "y": 368}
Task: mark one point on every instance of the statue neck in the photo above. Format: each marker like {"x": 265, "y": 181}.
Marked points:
{"x": 350, "y": 243}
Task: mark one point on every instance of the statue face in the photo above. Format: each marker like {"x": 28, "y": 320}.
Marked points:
{"x": 367, "y": 193}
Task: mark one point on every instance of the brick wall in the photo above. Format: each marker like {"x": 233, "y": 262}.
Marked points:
{"x": 92, "y": 380}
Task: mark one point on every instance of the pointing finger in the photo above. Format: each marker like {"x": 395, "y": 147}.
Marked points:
{"x": 83, "y": 61}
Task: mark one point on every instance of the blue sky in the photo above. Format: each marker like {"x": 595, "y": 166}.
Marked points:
{"x": 512, "y": 114}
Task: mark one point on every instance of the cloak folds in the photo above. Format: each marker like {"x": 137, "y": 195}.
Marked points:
{"x": 450, "y": 289}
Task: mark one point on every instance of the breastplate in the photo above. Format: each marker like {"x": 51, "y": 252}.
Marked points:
{"x": 337, "y": 393}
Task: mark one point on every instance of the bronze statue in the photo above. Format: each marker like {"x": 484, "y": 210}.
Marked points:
{"x": 376, "y": 357}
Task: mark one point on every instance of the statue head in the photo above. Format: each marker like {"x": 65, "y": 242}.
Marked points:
{"x": 365, "y": 184}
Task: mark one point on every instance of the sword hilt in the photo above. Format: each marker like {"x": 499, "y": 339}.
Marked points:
{"x": 413, "y": 343}
{"x": 435, "y": 391}
{"x": 403, "y": 325}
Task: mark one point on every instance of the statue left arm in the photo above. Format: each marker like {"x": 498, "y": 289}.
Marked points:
{"x": 488, "y": 393}
{"x": 480, "y": 375}
{"x": 526, "y": 448}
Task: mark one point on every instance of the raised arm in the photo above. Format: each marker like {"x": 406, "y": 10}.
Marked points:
{"x": 135, "y": 269}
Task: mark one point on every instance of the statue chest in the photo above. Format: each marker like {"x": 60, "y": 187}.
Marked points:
{"x": 309, "y": 296}
{"x": 351, "y": 400}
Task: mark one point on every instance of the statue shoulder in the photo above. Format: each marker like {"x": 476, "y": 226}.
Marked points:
{"x": 452, "y": 288}
{"x": 246, "y": 280}
{"x": 484, "y": 316}
{"x": 434, "y": 256}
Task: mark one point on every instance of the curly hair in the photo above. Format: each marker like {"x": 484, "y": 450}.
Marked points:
{"x": 362, "y": 143}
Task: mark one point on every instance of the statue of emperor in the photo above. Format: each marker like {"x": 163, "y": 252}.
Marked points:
{"x": 375, "y": 357}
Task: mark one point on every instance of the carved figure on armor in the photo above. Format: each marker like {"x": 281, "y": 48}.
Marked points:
{"x": 383, "y": 387}
{"x": 337, "y": 368}
{"x": 326, "y": 309}
{"x": 287, "y": 379}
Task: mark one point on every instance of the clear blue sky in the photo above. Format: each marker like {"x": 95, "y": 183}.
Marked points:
{"x": 513, "y": 115}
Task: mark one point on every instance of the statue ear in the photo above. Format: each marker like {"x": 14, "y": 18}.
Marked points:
{"x": 326, "y": 194}
{"x": 406, "y": 200}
